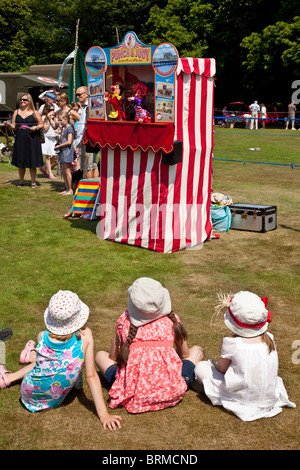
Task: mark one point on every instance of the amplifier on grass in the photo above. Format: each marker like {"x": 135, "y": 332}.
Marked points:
{"x": 253, "y": 217}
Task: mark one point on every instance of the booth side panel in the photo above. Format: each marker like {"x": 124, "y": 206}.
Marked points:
{"x": 193, "y": 182}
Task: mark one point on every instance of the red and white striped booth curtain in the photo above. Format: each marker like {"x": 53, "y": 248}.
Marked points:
{"x": 147, "y": 203}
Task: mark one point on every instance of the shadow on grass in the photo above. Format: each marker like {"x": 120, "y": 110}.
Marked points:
{"x": 286, "y": 227}
{"x": 26, "y": 183}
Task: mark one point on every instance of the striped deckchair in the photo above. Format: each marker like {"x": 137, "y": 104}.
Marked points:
{"x": 84, "y": 198}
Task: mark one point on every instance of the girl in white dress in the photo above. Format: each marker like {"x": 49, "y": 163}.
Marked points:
{"x": 50, "y": 134}
{"x": 245, "y": 379}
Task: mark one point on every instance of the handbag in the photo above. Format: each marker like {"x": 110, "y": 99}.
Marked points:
{"x": 220, "y": 218}
{"x": 42, "y": 136}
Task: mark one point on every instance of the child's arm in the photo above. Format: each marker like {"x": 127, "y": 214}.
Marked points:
{"x": 67, "y": 143}
{"x": 108, "y": 421}
{"x": 182, "y": 349}
{"x": 222, "y": 365}
{"x": 114, "y": 347}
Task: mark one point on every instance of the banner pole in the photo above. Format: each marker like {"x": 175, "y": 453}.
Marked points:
{"x": 74, "y": 66}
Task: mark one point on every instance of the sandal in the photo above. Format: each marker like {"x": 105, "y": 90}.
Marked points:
{"x": 4, "y": 382}
{"x": 24, "y": 356}
{"x": 5, "y": 334}
{"x": 33, "y": 186}
{"x": 20, "y": 185}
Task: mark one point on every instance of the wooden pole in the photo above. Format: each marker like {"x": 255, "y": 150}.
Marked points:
{"x": 74, "y": 64}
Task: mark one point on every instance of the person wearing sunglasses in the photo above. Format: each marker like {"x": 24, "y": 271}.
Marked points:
{"x": 27, "y": 153}
{"x": 88, "y": 158}
{"x": 62, "y": 101}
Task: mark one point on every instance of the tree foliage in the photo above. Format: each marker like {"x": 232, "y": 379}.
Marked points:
{"x": 14, "y": 27}
{"x": 255, "y": 42}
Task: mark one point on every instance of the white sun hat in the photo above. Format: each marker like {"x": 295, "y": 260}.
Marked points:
{"x": 247, "y": 315}
{"x": 66, "y": 313}
{"x": 148, "y": 301}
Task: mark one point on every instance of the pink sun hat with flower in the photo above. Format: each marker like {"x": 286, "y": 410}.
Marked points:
{"x": 66, "y": 313}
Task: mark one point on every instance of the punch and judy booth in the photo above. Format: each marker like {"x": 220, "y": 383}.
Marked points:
{"x": 156, "y": 146}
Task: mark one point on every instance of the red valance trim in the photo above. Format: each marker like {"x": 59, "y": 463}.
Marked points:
{"x": 130, "y": 135}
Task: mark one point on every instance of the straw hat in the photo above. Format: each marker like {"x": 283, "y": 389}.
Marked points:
{"x": 148, "y": 301}
{"x": 247, "y": 315}
{"x": 65, "y": 313}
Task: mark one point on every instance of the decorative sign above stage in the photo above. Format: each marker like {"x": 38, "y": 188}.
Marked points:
{"x": 130, "y": 63}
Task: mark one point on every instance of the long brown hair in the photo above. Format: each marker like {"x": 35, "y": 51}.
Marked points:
{"x": 180, "y": 335}
{"x": 269, "y": 342}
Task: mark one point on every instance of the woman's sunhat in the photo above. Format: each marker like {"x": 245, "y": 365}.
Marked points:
{"x": 65, "y": 313}
{"x": 148, "y": 301}
{"x": 247, "y": 315}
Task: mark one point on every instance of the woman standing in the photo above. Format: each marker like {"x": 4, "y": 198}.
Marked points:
{"x": 27, "y": 151}
{"x": 62, "y": 101}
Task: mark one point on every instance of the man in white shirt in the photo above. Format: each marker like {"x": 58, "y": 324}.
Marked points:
{"x": 88, "y": 161}
{"x": 48, "y": 97}
{"x": 255, "y": 108}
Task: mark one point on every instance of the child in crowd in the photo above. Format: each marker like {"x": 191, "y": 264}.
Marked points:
{"x": 244, "y": 380}
{"x": 48, "y": 147}
{"x": 144, "y": 370}
{"x": 67, "y": 151}
{"x": 54, "y": 367}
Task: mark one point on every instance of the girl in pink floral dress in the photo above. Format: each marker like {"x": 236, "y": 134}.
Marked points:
{"x": 145, "y": 370}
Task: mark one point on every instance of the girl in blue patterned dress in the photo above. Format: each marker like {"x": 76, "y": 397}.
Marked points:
{"x": 67, "y": 152}
{"x": 55, "y": 365}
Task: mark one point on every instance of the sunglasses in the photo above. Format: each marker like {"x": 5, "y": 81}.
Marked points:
{"x": 79, "y": 94}
{"x": 23, "y": 99}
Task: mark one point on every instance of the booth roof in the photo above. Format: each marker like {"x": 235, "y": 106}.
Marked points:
{"x": 197, "y": 66}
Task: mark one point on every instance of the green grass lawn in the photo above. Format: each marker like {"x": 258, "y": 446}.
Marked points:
{"x": 41, "y": 252}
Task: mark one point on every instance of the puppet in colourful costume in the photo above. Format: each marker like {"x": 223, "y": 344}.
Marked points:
{"x": 141, "y": 115}
{"x": 116, "y": 102}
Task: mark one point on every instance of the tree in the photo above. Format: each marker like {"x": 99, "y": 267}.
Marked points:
{"x": 15, "y": 54}
{"x": 274, "y": 55}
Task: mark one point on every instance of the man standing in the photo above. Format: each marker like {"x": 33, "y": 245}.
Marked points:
{"x": 88, "y": 160}
{"x": 254, "y": 107}
{"x": 291, "y": 116}
{"x": 48, "y": 97}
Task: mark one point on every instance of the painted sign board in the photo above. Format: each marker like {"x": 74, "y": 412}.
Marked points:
{"x": 156, "y": 64}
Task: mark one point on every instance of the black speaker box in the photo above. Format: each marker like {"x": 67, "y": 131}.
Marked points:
{"x": 175, "y": 156}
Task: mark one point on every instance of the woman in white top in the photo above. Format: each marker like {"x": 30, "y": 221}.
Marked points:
{"x": 245, "y": 379}
{"x": 263, "y": 115}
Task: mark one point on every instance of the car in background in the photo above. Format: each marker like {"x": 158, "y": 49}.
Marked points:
{"x": 238, "y": 109}
{"x": 272, "y": 114}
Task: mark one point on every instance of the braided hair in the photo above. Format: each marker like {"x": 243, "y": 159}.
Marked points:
{"x": 180, "y": 335}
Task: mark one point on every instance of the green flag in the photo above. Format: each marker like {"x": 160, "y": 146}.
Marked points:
{"x": 79, "y": 77}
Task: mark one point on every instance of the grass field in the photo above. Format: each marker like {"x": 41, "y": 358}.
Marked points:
{"x": 41, "y": 253}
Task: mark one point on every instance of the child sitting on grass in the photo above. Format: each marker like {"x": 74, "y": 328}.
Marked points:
{"x": 244, "y": 380}
{"x": 55, "y": 365}
{"x": 144, "y": 369}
